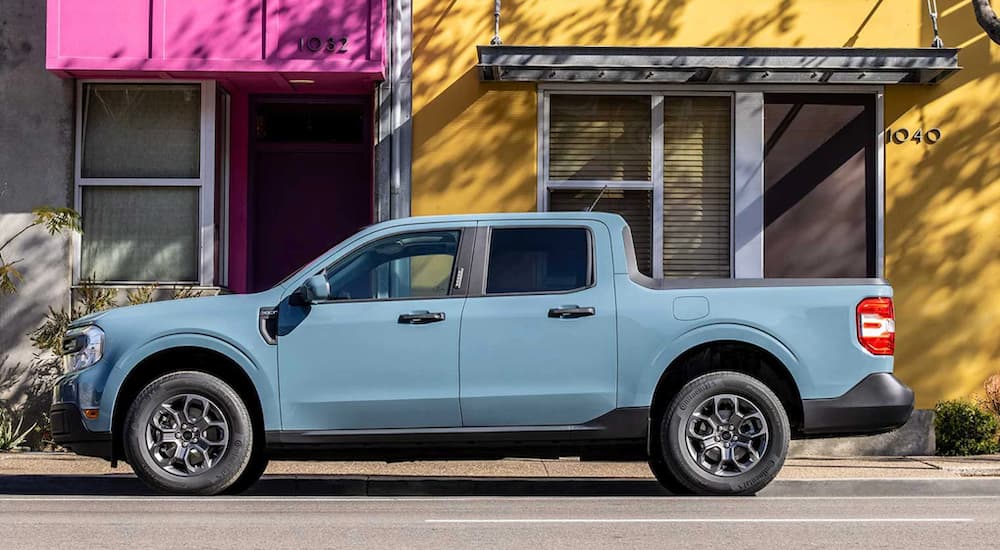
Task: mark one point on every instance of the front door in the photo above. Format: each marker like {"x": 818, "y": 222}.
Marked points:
{"x": 312, "y": 180}
{"x": 539, "y": 335}
{"x": 383, "y": 351}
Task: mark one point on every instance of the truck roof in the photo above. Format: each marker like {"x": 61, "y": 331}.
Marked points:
{"x": 611, "y": 220}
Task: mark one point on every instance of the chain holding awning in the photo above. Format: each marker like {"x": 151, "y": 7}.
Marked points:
{"x": 616, "y": 64}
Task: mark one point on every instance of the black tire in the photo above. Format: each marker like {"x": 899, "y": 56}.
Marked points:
{"x": 666, "y": 478}
{"x": 224, "y": 469}
{"x": 250, "y": 476}
{"x": 679, "y": 454}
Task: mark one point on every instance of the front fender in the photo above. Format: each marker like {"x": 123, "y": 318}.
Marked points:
{"x": 717, "y": 332}
{"x": 128, "y": 362}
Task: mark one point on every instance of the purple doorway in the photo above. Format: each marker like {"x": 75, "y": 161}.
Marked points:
{"x": 311, "y": 174}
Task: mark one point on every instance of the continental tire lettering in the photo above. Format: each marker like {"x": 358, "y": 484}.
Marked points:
{"x": 691, "y": 395}
{"x": 754, "y": 480}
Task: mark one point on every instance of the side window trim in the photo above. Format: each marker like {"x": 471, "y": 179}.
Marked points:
{"x": 463, "y": 258}
{"x": 481, "y": 260}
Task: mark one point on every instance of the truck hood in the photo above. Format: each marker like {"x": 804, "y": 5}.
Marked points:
{"x": 198, "y": 314}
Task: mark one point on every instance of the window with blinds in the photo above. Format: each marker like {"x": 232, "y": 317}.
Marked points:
{"x": 696, "y": 186}
{"x": 599, "y": 138}
{"x": 598, "y": 141}
{"x": 636, "y": 206}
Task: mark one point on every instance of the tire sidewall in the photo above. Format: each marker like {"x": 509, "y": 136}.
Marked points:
{"x": 232, "y": 463}
{"x": 673, "y": 439}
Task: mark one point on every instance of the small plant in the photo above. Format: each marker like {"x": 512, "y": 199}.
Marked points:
{"x": 55, "y": 221}
{"x": 992, "y": 400}
{"x": 963, "y": 428}
{"x": 90, "y": 299}
{"x": 141, "y": 295}
{"x": 181, "y": 292}
{"x": 11, "y": 436}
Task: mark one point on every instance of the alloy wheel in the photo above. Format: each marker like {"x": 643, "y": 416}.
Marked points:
{"x": 187, "y": 434}
{"x": 726, "y": 435}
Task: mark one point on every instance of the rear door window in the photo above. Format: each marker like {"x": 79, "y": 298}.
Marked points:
{"x": 539, "y": 260}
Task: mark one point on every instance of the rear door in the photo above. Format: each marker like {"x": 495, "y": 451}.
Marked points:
{"x": 538, "y": 341}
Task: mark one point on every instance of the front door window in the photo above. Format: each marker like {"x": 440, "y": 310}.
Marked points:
{"x": 413, "y": 265}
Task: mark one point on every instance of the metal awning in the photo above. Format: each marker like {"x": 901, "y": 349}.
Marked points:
{"x": 717, "y": 65}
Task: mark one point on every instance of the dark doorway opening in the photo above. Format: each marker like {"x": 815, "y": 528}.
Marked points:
{"x": 311, "y": 179}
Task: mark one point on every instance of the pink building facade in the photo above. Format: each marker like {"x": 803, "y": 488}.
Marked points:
{"x": 240, "y": 135}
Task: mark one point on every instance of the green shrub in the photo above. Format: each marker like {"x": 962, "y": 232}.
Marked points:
{"x": 11, "y": 436}
{"x": 962, "y": 428}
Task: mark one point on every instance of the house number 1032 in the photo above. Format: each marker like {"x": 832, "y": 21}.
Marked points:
{"x": 902, "y": 135}
{"x": 330, "y": 44}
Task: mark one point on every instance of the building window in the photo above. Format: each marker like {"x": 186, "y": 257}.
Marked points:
{"x": 819, "y": 185}
{"x": 146, "y": 183}
{"x": 660, "y": 161}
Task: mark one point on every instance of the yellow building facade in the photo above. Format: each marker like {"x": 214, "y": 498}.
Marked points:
{"x": 927, "y": 179}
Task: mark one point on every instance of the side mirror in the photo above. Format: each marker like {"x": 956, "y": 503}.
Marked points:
{"x": 315, "y": 289}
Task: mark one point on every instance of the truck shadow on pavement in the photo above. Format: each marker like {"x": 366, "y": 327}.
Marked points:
{"x": 319, "y": 486}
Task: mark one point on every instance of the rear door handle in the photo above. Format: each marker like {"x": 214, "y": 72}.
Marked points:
{"x": 421, "y": 318}
{"x": 571, "y": 312}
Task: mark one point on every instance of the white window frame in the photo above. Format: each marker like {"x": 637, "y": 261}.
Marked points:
{"x": 746, "y": 238}
{"x": 205, "y": 182}
{"x": 655, "y": 183}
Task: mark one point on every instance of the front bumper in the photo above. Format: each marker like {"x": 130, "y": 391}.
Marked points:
{"x": 879, "y": 403}
{"x": 69, "y": 431}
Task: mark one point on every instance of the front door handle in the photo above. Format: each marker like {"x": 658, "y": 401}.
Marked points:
{"x": 571, "y": 312}
{"x": 421, "y": 318}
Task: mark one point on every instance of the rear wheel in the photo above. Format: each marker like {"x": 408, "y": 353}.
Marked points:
{"x": 724, "y": 433}
{"x": 189, "y": 433}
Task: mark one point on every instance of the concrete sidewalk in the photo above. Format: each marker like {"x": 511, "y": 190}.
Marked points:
{"x": 795, "y": 468}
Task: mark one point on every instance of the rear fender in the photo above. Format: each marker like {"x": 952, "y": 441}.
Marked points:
{"x": 706, "y": 334}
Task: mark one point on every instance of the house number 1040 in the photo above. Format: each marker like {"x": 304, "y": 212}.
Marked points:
{"x": 903, "y": 135}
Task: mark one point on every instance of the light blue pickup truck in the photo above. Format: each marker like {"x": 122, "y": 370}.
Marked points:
{"x": 513, "y": 335}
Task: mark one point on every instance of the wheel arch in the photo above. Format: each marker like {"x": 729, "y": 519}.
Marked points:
{"x": 729, "y": 355}
{"x": 226, "y": 364}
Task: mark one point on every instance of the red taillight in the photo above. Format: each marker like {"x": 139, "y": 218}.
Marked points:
{"x": 877, "y": 325}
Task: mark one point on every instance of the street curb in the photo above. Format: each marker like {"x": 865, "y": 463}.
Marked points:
{"x": 385, "y": 486}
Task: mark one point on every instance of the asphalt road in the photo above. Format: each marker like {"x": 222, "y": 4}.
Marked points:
{"x": 499, "y": 522}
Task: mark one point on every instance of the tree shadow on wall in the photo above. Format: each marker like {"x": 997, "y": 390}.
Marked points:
{"x": 943, "y": 219}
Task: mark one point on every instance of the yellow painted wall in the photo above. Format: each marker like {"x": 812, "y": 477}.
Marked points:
{"x": 475, "y": 144}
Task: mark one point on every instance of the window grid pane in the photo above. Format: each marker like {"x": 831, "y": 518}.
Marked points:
{"x": 140, "y": 234}
{"x": 696, "y": 186}
{"x": 599, "y": 138}
{"x": 141, "y": 131}
{"x": 635, "y": 206}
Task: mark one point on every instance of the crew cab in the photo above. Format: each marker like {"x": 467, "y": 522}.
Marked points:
{"x": 482, "y": 337}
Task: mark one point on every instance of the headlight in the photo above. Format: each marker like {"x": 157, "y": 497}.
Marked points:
{"x": 82, "y": 347}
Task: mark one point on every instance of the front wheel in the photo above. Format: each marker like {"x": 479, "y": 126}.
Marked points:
{"x": 189, "y": 433}
{"x": 724, "y": 433}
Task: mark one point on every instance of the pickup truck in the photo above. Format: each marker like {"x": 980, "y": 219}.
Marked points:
{"x": 483, "y": 337}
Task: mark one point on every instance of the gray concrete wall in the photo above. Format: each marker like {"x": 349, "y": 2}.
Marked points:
{"x": 36, "y": 169}
{"x": 915, "y": 438}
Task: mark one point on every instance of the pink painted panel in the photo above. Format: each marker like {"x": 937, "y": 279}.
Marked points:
{"x": 100, "y": 29}
{"x": 216, "y": 37}
{"x": 339, "y": 30}
{"x": 204, "y": 30}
